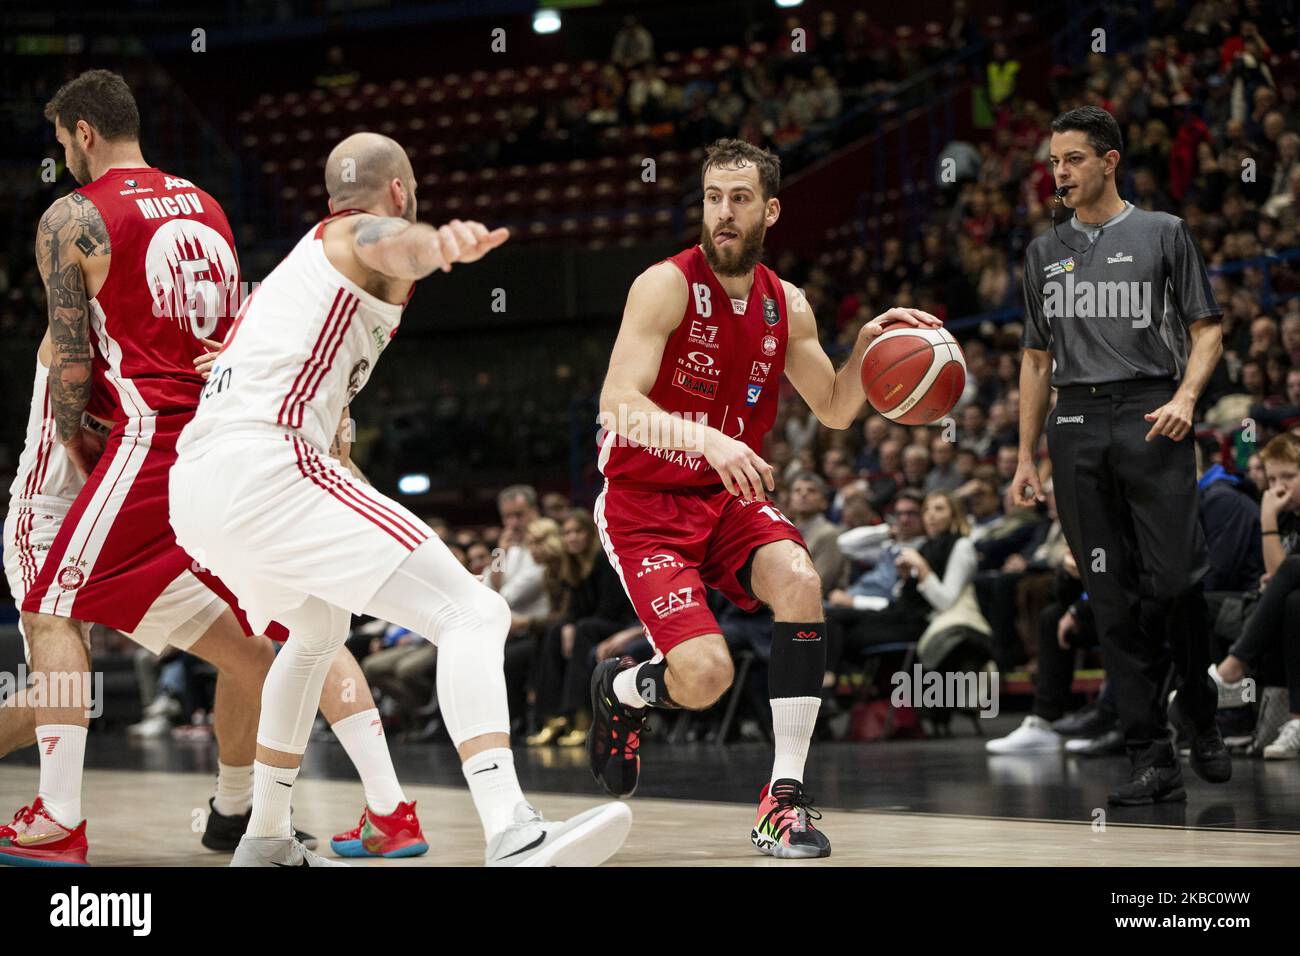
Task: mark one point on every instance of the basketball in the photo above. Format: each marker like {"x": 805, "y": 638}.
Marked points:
{"x": 913, "y": 376}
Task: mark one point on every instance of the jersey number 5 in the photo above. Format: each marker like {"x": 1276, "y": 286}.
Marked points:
{"x": 197, "y": 281}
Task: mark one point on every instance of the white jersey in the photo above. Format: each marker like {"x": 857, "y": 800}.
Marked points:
{"x": 46, "y": 475}
{"x": 303, "y": 346}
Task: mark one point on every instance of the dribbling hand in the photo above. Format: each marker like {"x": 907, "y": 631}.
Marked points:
{"x": 743, "y": 472}
{"x": 898, "y": 314}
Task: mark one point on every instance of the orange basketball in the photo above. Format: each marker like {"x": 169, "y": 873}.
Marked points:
{"x": 913, "y": 375}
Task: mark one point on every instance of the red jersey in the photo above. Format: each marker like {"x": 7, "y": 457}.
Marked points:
{"x": 722, "y": 366}
{"x": 173, "y": 279}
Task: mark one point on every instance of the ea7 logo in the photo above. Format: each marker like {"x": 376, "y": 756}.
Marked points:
{"x": 672, "y": 602}
{"x": 759, "y": 371}
{"x": 702, "y": 334}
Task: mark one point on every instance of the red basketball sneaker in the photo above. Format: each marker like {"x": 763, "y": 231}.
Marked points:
{"x": 784, "y": 826}
{"x": 34, "y": 838}
{"x": 397, "y": 834}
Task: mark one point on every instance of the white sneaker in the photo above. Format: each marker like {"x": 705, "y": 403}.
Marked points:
{"x": 1231, "y": 693}
{"x": 588, "y": 839}
{"x": 155, "y": 726}
{"x": 163, "y": 706}
{"x": 276, "y": 851}
{"x": 1034, "y": 735}
{"x": 1287, "y": 744}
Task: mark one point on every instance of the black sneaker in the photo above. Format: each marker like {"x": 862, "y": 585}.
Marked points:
{"x": 1150, "y": 785}
{"x": 223, "y": 833}
{"x": 1092, "y": 721}
{"x": 615, "y": 737}
{"x": 1107, "y": 744}
{"x": 1207, "y": 753}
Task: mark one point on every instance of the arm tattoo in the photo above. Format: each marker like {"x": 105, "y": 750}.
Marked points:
{"x": 373, "y": 228}
{"x": 70, "y": 227}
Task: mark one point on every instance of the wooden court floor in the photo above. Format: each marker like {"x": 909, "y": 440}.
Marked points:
{"x": 145, "y": 818}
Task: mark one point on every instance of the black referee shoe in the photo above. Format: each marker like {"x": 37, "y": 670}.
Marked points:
{"x": 223, "y": 833}
{"x": 614, "y": 741}
{"x": 1150, "y": 785}
{"x": 1209, "y": 756}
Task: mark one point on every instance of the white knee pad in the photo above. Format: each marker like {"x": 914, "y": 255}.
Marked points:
{"x": 291, "y": 694}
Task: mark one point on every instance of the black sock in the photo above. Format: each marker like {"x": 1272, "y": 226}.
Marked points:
{"x": 652, "y": 685}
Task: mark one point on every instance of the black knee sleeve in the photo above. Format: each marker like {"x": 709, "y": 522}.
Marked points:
{"x": 798, "y": 660}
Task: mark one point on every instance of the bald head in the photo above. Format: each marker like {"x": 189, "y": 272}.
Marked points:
{"x": 370, "y": 171}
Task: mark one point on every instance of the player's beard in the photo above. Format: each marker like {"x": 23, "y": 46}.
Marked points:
{"x": 741, "y": 255}
{"x": 78, "y": 164}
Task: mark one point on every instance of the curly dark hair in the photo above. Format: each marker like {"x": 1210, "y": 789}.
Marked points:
{"x": 102, "y": 99}
{"x": 734, "y": 153}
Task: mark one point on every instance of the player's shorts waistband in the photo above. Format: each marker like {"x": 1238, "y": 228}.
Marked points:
{"x": 45, "y": 504}
{"x": 698, "y": 491}
{"x": 258, "y": 431}
{"x": 1132, "y": 386}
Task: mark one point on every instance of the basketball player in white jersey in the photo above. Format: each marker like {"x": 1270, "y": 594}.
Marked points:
{"x": 256, "y": 497}
{"x": 43, "y": 491}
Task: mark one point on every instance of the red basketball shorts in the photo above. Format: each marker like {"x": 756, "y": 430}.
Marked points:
{"x": 668, "y": 546}
{"x": 114, "y": 559}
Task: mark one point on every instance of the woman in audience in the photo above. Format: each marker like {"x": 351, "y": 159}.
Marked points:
{"x": 1269, "y": 647}
{"x": 592, "y": 606}
{"x": 935, "y": 593}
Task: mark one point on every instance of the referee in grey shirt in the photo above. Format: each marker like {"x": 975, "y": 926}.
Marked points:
{"x": 1121, "y": 321}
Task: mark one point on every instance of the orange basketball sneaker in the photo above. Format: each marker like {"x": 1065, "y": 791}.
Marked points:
{"x": 34, "y": 838}
{"x": 395, "y": 835}
{"x": 784, "y": 826}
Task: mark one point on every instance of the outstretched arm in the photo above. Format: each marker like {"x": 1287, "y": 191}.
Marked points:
{"x": 70, "y": 231}
{"x": 834, "y": 397}
{"x": 400, "y": 249}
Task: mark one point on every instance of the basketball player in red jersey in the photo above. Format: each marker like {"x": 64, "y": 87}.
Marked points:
{"x": 124, "y": 343}
{"x": 690, "y": 393}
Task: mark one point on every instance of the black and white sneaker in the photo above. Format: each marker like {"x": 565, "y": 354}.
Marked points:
{"x": 614, "y": 741}
{"x": 588, "y": 839}
{"x": 276, "y": 851}
{"x": 223, "y": 833}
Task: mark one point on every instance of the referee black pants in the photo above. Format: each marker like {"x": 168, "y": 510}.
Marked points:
{"x": 1129, "y": 509}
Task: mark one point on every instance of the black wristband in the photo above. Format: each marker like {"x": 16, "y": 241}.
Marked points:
{"x": 1278, "y": 533}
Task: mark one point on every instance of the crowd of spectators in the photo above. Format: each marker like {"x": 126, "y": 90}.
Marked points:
{"x": 811, "y": 72}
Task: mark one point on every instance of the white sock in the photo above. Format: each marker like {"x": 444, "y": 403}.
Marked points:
{"x": 63, "y": 757}
{"x": 625, "y": 687}
{"x": 234, "y": 790}
{"x": 272, "y": 796}
{"x": 362, "y": 736}
{"x": 792, "y": 726}
{"x": 494, "y": 787}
